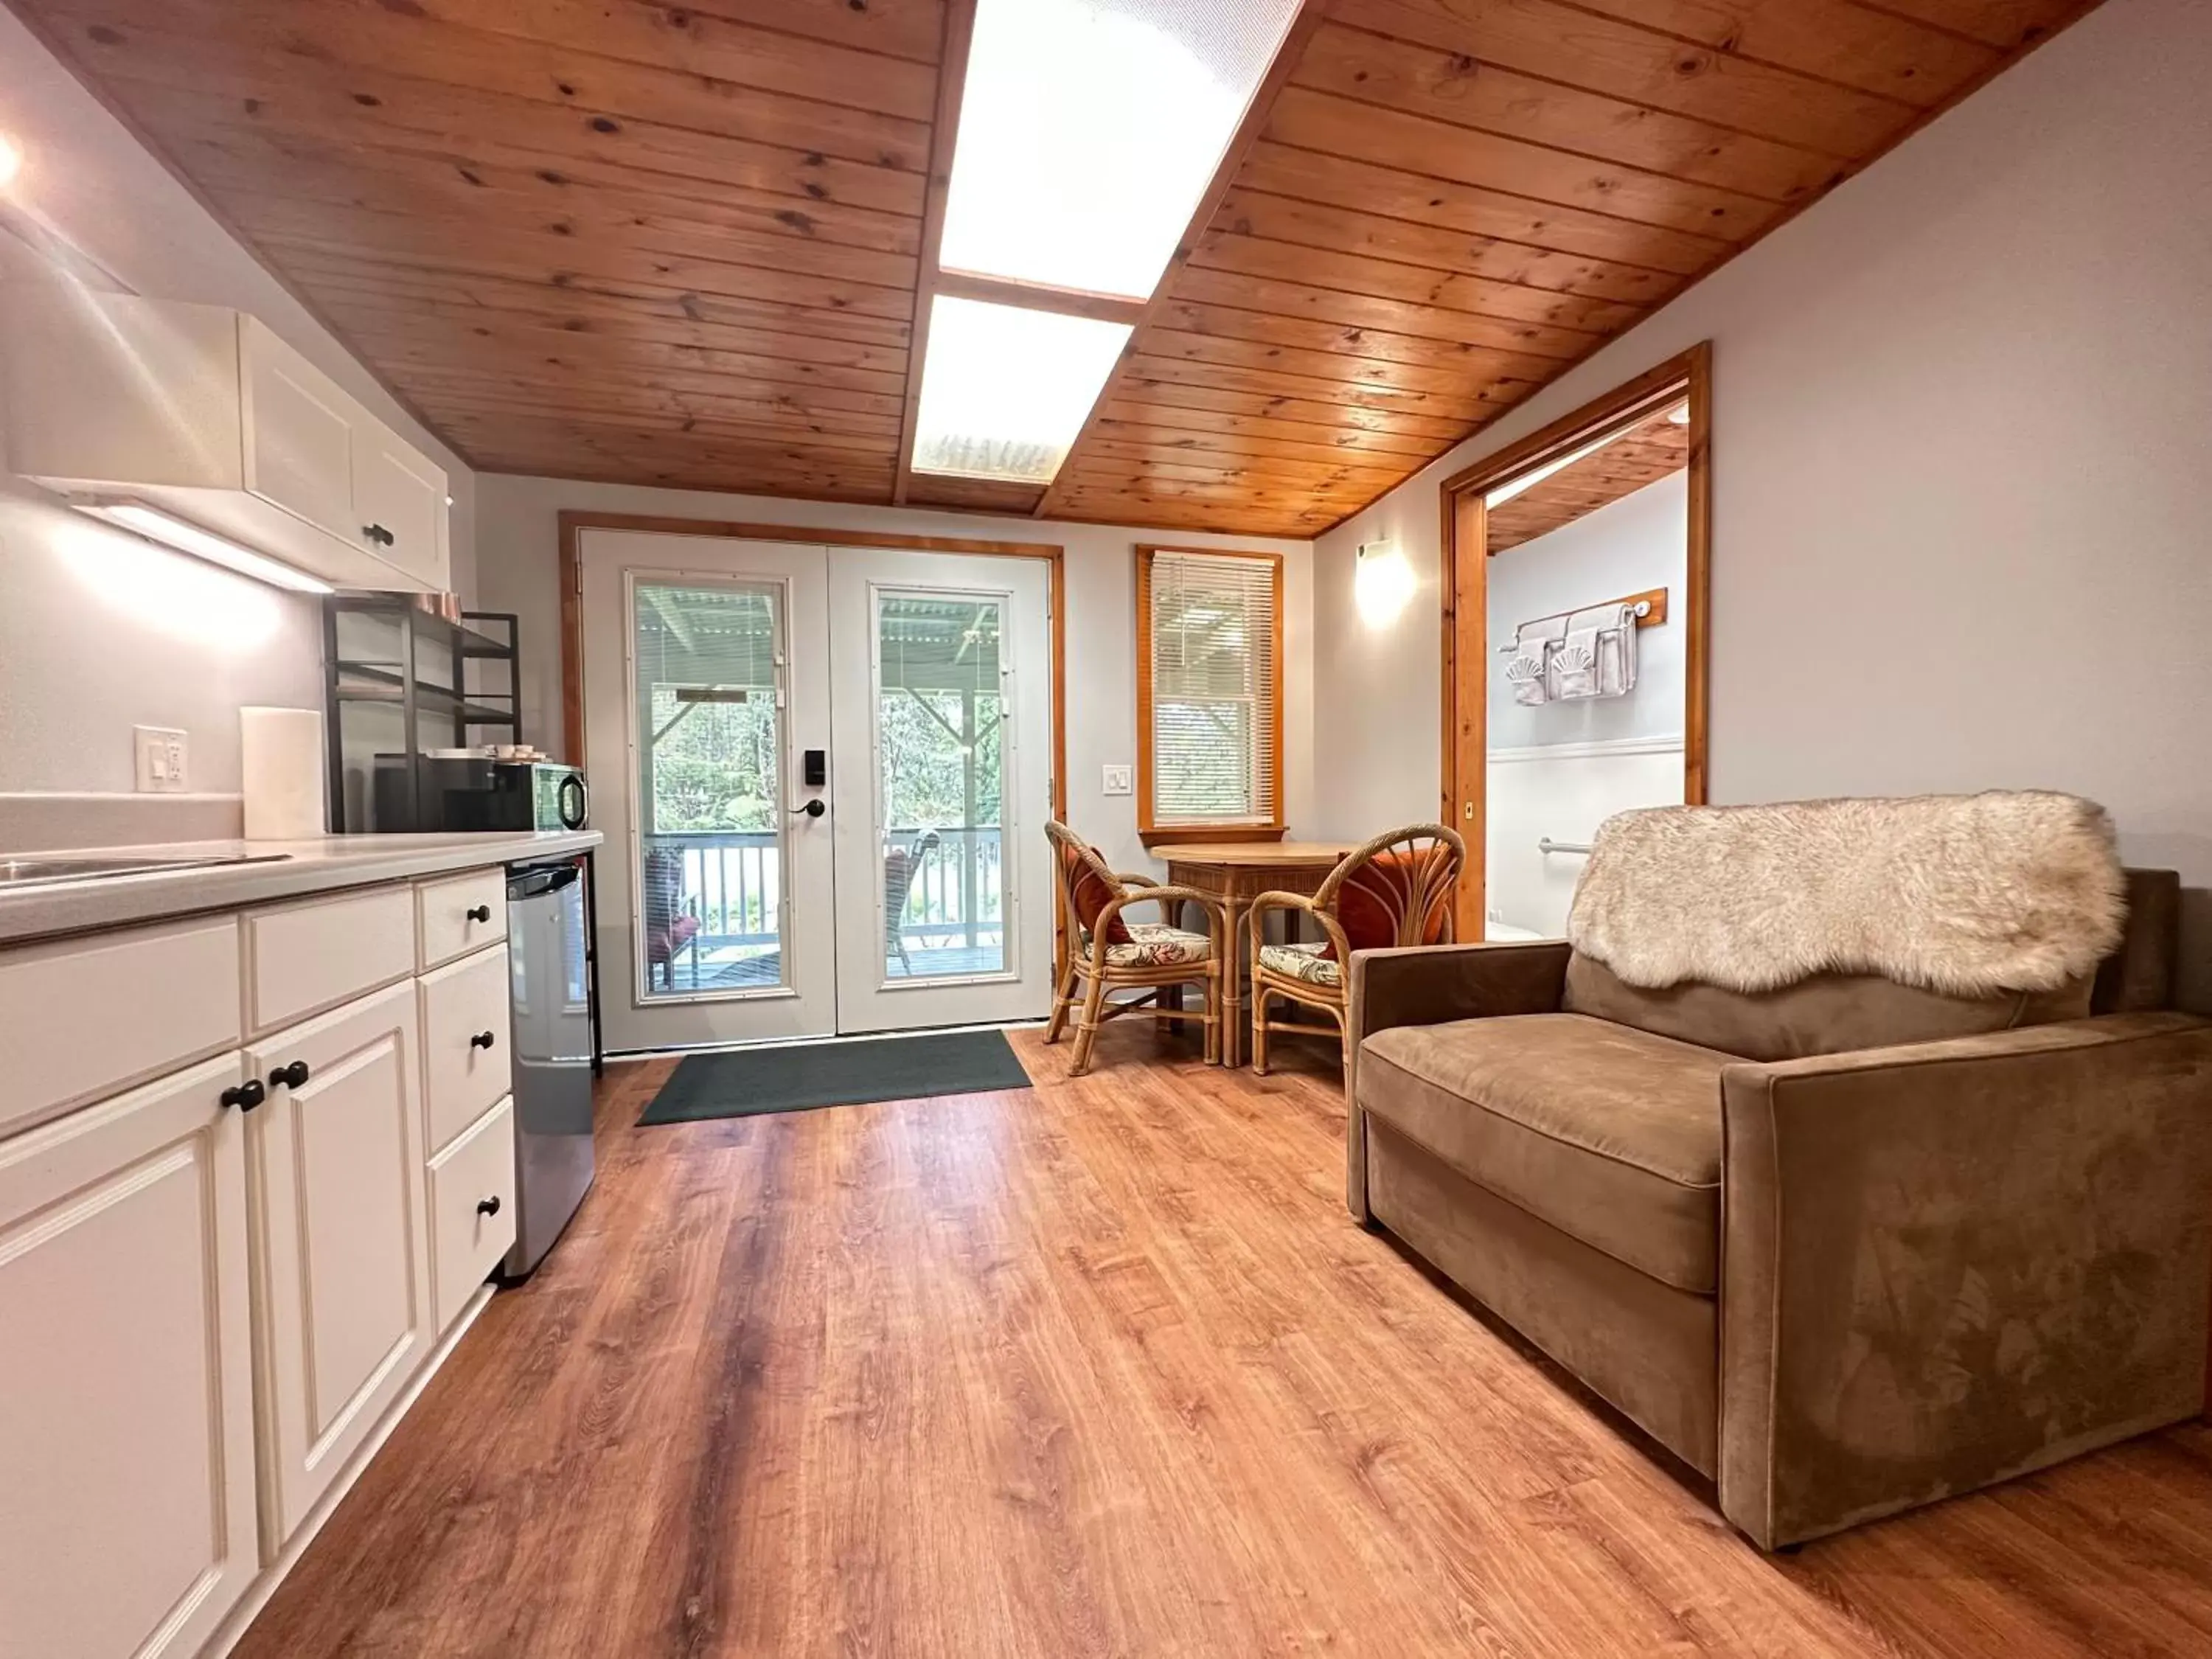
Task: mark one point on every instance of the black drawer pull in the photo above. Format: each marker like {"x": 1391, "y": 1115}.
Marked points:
{"x": 246, "y": 1096}
{"x": 294, "y": 1076}
{"x": 479, "y": 913}
{"x": 482, "y": 1039}
{"x": 488, "y": 1205}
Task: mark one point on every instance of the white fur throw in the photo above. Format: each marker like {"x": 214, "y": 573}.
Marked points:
{"x": 1970, "y": 895}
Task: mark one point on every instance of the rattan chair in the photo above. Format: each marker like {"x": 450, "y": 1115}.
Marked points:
{"x": 1406, "y": 877}
{"x": 1157, "y": 956}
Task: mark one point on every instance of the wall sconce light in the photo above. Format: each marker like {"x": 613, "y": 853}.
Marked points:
{"x": 1382, "y": 583}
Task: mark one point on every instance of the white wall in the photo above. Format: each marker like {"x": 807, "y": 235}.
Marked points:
{"x": 1960, "y": 493}
{"x": 1559, "y": 770}
{"x": 97, "y": 631}
{"x": 519, "y": 541}
{"x": 1634, "y": 544}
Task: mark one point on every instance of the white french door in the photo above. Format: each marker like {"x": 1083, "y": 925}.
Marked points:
{"x": 824, "y": 775}
{"x": 942, "y": 737}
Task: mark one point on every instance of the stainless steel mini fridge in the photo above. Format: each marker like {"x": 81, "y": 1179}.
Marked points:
{"x": 548, "y": 961}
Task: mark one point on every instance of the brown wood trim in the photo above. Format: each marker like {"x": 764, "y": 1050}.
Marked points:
{"x": 574, "y": 523}
{"x": 943, "y": 137}
{"x": 1463, "y": 582}
{"x": 1696, "y": 686}
{"x": 1039, "y": 296}
{"x": 1624, "y": 406}
{"x": 1147, "y": 831}
{"x": 1248, "y": 128}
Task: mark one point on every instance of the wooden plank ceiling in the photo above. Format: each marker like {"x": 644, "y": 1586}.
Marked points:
{"x": 1644, "y": 455}
{"x": 684, "y": 243}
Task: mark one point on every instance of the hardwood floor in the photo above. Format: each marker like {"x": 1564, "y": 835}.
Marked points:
{"x": 1105, "y": 1368}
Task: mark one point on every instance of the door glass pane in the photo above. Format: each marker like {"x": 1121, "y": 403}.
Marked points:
{"x": 709, "y": 787}
{"x": 938, "y": 723}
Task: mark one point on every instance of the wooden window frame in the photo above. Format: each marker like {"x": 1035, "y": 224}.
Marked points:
{"x": 1149, "y": 831}
{"x": 1465, "y": 585}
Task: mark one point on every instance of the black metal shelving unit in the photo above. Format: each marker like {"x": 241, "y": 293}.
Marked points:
{"x": 401, "y": 681}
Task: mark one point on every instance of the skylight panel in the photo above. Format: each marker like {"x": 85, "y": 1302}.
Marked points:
{"x": 1089, "y": 128}
{"x": 1004, "y": 389}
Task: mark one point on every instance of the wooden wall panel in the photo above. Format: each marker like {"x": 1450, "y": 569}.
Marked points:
{"x": 692, "y": 244}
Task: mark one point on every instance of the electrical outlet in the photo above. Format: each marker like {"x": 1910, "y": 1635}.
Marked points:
{"x": 1117, "y": 781}
{"x": 160, "y": 759}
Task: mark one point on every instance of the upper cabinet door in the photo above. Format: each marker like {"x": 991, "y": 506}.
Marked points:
{"x": 126, "y": 1386}
{"x": 299, "y": 434}
{"x": 340, "y": 1241}
{"x": 399, "y": 497}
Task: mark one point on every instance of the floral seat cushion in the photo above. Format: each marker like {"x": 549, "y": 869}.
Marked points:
{"x": 1155, "y": 944}
{"x": 1303, "y": 962}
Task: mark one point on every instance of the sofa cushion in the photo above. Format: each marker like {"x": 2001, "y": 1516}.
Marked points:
{"x": 1826, "y": 1014}
{"x": 1610, "y": 1134}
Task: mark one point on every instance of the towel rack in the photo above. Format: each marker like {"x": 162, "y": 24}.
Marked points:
{"x": 1545, "y": 844}
{"x": 1648, "y": 607}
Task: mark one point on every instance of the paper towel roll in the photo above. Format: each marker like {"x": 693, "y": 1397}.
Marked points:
{"x": 281, "y": 754}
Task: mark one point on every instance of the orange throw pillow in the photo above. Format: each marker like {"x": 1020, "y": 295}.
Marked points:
{"x": 1093, "y": 893}
{"x": 1368, "y": 903}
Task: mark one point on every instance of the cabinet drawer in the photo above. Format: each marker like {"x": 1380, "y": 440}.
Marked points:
{"x": 85, "y": 1019}
{"x": 472, "y": 1210}
{"x": 463, "y": 1003}
{"x": 303, "y": 959}
{"x": 461, "y": 913}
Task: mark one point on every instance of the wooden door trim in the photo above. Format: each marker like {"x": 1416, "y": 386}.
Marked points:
{"x": 1463, "y": 583}
{"x": 574, "y": 524}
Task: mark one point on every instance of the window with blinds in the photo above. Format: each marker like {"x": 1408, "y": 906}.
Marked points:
{"x": 1210, "y": 690}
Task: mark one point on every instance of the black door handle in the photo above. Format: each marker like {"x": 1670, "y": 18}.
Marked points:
{"x": 246, "y": 1096}
{"x": 294, "y": 1076}
{"x": 482, "y": 1039}
{"x": 479, "y": 913}
{"x": 488, "y": 1205}
{"x": 377, "y": 532}
{"x": 812, "y": 809}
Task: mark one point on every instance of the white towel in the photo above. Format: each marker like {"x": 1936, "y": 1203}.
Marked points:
{"x": 1574, "y": 664}
{"x": 1525, "y": 668}
{"x": 1616, "y": 657}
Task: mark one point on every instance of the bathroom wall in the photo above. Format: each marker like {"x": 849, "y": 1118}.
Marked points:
{"x": 1559, "y": 770}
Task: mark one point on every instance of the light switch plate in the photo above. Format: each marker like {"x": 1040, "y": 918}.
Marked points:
{"x": 161, "y": 757}
{"x": 1117, "y": 781}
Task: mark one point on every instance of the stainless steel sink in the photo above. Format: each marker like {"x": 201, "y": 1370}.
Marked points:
{"x": 39, "y": 870}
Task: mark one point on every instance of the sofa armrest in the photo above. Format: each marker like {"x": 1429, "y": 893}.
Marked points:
{"x": 1427, "y": 985}
{"x": 1946, "y": 1263}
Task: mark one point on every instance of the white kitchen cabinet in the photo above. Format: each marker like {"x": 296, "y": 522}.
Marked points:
{"x": 127, "y": 1503}
{"x": 400, "y": 497}
{"x": 297, "y": 425}
{"x": 342, "y": 1277}
{"x": 205, "y": 413}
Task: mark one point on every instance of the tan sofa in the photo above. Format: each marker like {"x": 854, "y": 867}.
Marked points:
{"x": 1843, "y": 1248}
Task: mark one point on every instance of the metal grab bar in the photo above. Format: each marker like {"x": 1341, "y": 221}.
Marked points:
{"x": 1545, "y": 844}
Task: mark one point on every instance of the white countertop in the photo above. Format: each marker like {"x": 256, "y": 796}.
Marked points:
{"x": 326, "y": 863}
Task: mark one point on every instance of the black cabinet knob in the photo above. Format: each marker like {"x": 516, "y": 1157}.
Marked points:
{"x": 294, "y": 1076}
{"x": 482, "y": 1039}
{"x": 479, "y": 913}
{"x": 488, "y": 1205}
{"x": 246, "y": 1096}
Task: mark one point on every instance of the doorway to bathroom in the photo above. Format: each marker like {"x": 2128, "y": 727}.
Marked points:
{"x": 1577, "y": 572}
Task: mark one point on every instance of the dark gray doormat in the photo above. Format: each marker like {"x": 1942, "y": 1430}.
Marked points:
{"x": 801, "y": 1076}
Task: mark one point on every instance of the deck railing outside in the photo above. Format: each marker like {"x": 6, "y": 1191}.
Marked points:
{"x": 733, "y": 882}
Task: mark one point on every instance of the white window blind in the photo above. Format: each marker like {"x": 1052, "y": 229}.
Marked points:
{"x": 1214, "y": 689}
